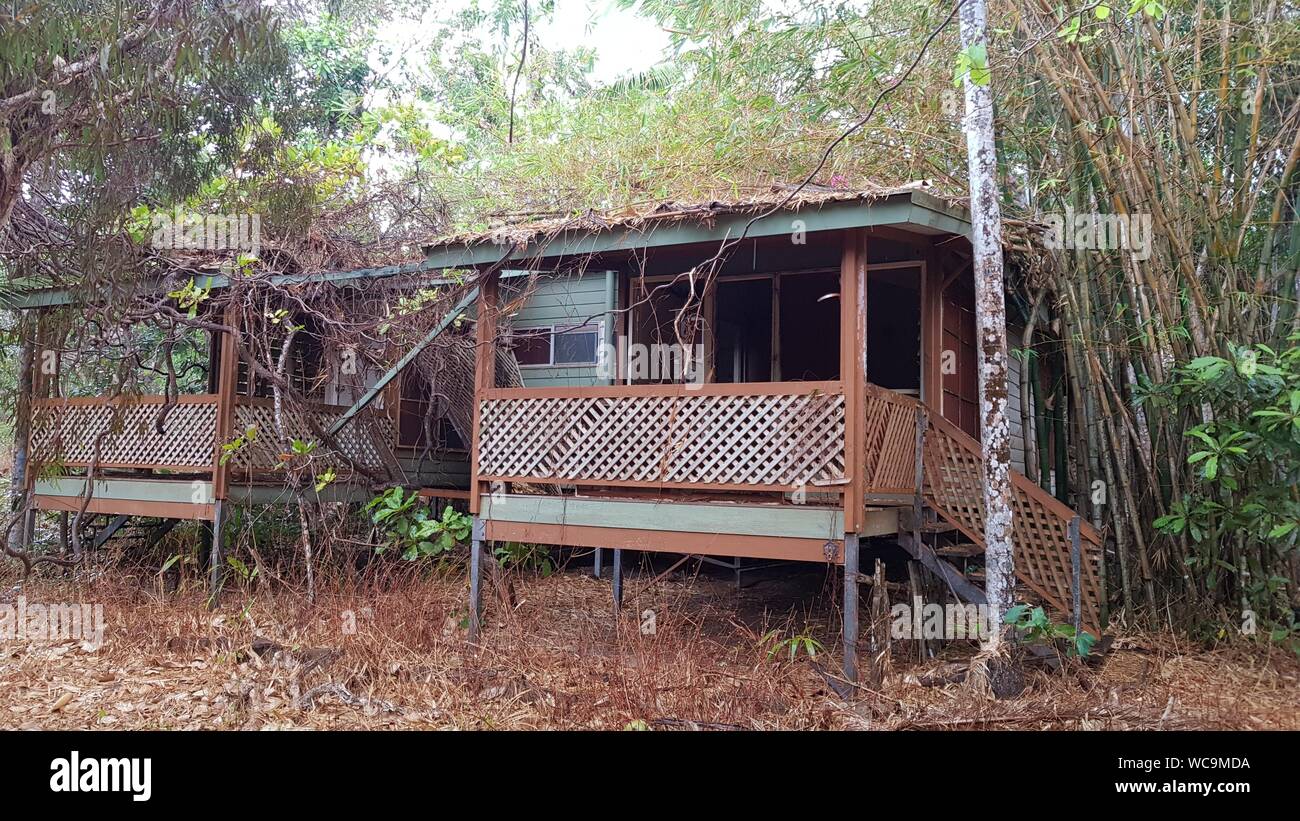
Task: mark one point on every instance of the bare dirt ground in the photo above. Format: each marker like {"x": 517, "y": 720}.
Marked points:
{"x": 391, "y": 652}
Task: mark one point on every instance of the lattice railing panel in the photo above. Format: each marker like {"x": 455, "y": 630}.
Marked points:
{"x": 65, "y": 431}
{"x": 1040, "y": 522}
{"x": 655, "y": 437}
{"x": 890, "y": 441}
{"x": 367, "y": 440}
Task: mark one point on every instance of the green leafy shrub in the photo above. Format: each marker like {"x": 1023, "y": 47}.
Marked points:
{"x": 1241, "y": 516}
{"x": 408, "y": 525}
{"x": 1037, "y": 628}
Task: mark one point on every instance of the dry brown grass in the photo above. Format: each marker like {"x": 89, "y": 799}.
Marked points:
{"x": 558, "y": 660}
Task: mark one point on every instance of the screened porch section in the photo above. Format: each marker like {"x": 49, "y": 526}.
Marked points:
{"x": 147, "y": 433}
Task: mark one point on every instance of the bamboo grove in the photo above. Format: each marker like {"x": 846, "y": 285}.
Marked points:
{"x": 1179, "y": 350}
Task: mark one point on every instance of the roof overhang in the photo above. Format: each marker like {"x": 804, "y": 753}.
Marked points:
{"x": 913, "y": 211}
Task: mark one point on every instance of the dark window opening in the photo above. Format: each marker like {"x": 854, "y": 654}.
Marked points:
{"x": 413, "y": 428}
{"x": 894, "y": 329}
{"x": 532, "y": 346}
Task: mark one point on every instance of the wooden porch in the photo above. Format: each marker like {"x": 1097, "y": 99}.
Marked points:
{"x": 791, "y": 470}
{"x": 755, "y": 470}
{"x": 159, "y": 458}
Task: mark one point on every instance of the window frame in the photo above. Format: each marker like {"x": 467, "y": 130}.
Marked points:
{"x": 552, "y": 330}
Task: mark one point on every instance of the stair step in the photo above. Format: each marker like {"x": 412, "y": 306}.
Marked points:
{"x": 964, "y": 550}
{"x": 937, "y": 527}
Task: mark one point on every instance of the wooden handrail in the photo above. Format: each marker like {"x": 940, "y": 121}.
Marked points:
{"x": 123, "y": 400}
{"x": 264, "y": 402}
{"x": 632, "y": 391}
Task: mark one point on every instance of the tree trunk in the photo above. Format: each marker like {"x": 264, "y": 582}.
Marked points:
{"x": 22, "y": 418}
{"x": 990, "y": 314}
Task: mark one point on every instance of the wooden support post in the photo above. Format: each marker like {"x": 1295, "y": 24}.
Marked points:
{"x": 595, "y": 563}
{"x": 918, "y": 606}
{"x": 477, "y": 534}
{"x": 932, "y": 330}
{"x": 918, "y": 501}
{"x": 29, "y": 527}
{"x": 851, "y": 606}
{"x": 485, "y": 371}
{"x": 853, "y": 373}
{"x": 618, "y": 580}
{"x": 227, "y": 376}
{"x": 216, "y": 559}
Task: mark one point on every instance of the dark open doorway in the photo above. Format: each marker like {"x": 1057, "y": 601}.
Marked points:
{"x": 744, "y": 330}
{"x": 810, "y": 326}
{"x": 894, "y": 328}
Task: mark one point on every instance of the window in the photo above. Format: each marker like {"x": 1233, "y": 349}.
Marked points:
{"x": 532, "y": 346}
{"x": 557, "y": 345}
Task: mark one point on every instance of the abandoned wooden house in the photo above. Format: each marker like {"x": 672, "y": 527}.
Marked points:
{"x": 761, "y": 379}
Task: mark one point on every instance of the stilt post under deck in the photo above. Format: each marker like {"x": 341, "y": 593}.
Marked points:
{"x": 851, "y": 606}
{"x": 216, "y": 561}
{"x": 29, "y": 527}
{"x": 618, "y": 580}
{"x": 476, "y": 579}
{"x": 595, "y": 563}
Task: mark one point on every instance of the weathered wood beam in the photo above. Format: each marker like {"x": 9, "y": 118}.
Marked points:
{"x": 109, "y": 530}
{"x": 925, "y": 554}
{"x": 853, "y": 372}
{"x": 485, "y": 370}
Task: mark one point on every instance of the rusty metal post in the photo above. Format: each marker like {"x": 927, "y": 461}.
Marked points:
{"x": 477, "y": 533}
{"x": 618, "y": 580}
{"x": 851, "y": 606}
{"x": 215, "y": 559}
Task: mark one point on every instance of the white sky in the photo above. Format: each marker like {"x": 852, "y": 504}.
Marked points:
{"x": 625, "y": 43}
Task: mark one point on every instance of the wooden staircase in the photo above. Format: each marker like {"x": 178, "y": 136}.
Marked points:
{"x": 948, "y": 468}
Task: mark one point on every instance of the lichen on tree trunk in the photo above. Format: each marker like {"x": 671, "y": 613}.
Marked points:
{"x": 990, "y": 313}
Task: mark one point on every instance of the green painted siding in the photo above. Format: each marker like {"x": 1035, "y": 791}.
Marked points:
{"x": 187, "y": 491}
{"x": 804, "y": 522}
{"x": 567, "y": 299}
